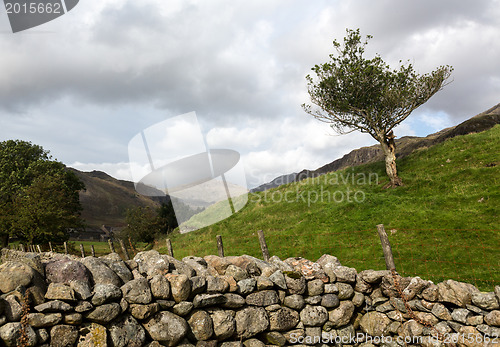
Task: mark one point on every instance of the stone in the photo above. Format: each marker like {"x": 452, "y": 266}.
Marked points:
{"x": 457, "y": 293}
{"x": 198, "y": 264}
{"x": 81, "y": 289}
{"x": 198, "y": 284}
{"x": 218, "y": 263}
{"x": 493, "y": 318}
{"x": 101, "y": 273}
{"x": 441, "y": 312}
{"x": 278, "y": 279}
{"x": 282, "y": 266}
{"x": 182, "y": 308}
{"x": 342, "y": 314}
{"x": 104, "y": 314}
{"x": 11, "y": 332}
{"x": 73, "y": 318}
{"x": 294, "y": 301}
{"x": 115, "y": 263}
{"x": 251, "y": 321}
{"x": 331, "y": 288}
{"x": 345, "y": 274}
{"x": 247, "y": 286}
{"x": 390, "y": 288}
{"x": 345, "y": 291}
{"x": 60, "y": 291}
{"x": 358, "y": 299}
{"x": 179, "y": 267}
{"x": 233, "y": 301}
{"x": 426, "y": 317}
{"x": 137, "y": 291}
{"x": 126, "y": 332}
{"x": 92, "y": 335}
{"x": 475, "y": 320}
{"x": 412, "y": 328}
{"x": 472, "y": 337}
{"x": 264, "y": 283}
{"x": 151, "y": 263}
{"x": 166, "y": 328}
{"x": 283, "y": 319}
{"x": 53, "y": 306}
{"x": 253, "y": 343}
{"x": 83, "y": 306}
{"x": 15, "y": 274}
{"x": 41, "y": 320}
{"x": 201, "y": 325}
{"x": 313, "y": 315}
{"x": 63, "y": 335}
{"x": 295, "y": 283}
{"x": 310, "y": 270}
{"x": 330, "y": 301}
{"x": 236, "y": 272}
{"x": 460, "y": 315}
{"x": 415, "y": 287}
{"x": 232, "y": 284}
{"x": 224, "y": 324}
{"x": 431, "y": 293}
{"x": 274, "y": 338}
{"x": 216, "y": 285}
{"x": 315, "y": 287}
{"x": 312, "y": 300}
{"x": 373, "y": 276}
{"x": 294, "y": 336}
{"x": 142, "y": 312}
{"x": 42, "y": 336}
{"x": 262, "y": 298}
{"x": 205, "y": 300}
{"x": 65, "y": 270}
{"x": 486, "y": 301}
{"x": 362, "y": 286}
{"x": 13, "y": 308}
{"x": 180, "y": 287}
{"x": 104, "y": 293}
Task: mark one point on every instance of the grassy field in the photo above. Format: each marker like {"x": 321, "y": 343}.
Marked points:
{"x": 444, "y": 223}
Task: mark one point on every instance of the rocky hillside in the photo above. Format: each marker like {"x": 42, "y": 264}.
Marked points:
{"x": 404, "y": 146}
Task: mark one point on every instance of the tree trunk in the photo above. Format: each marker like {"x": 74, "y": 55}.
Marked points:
{"x": 389, "y": 148}
{"x": 4, "y": 240}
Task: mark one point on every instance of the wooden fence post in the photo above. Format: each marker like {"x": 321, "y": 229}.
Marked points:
{"x": 38, "y": 248}
{"x": 21, "y": 246}
{"x": 263, "y": 245}
{"x": 82, "y": 250}
{"x": 65, "y": 247}
{"x": 220, "y": 246}
{"x": 92, "y": 250}
{"x": 111, "y": 246}
{"x": 124, "y": 249}
{"x": 169, "y": 248}
{"x": 50, "y": 247}
{"x": 386, "y": 248}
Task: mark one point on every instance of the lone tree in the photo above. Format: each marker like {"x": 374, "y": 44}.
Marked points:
{"x": 355, "y": 93}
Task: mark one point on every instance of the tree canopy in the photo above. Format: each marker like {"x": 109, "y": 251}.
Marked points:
{"x": 352, "y": 92}
{"x": 39, "y": 197}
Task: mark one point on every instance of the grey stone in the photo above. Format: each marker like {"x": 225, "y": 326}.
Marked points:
{"x": 216, "y": 285}
{"x": 151, "y": 263}
{"x": 53, "y": 306}
{"x": 274, "y": 338}
{"x": 224, "y": 324}
{"x": 73, "y": 318}
{"x": 278, "y": 279}
{"x": 101, "y": 273}
{"x": 180, "y": 287}
{"x": 441, "y": 312}
{"x": 282, "y": 266}
{"x": 183, "y": 308}
{"x": 126, "y": 332}
{"x": 197, "y": 264}
{"x": 315, "y": 287}
{"x": 431, "y": 293}
{"x": 142, "y": 312}
{"x": 493, "y": 318}
{"x": 264, "y": 283}
{"x": 253, "y": 343}
{"x": 251, "y": 321}
{"x": 179, "y": 267}
{"x": 60, "y": 291}
{"x": 295, "y": 283}
{"x": 358, "y": 299}
{"x": 92, "y": 335}
{"x": 42, "y": 336}
{"x": 81, "y": 289}
{"x": 198, "y": 284}
{"x": 415, "y": 287}
{"x": 12, "y": 308}
{"x": 201, "y": 325}
{"x": 233, "y": 301}
{"x": 345, "y": 274}
{"x": 15, "y": 274}
{"x": 166, "y": 328}
{"x": 83, "y": 306}
{"x": 219, "y": 264}
{"x": 457, "y": 293}
{"x": 10, "y": 333}
{"x": 330, "y": 301}
{"x": 342, "y": 314}
{"x": 486, "y": 301}
{"x": 345, "y": 291}
{"x": 66, "y": 270}
{"x": 331, "y": 288}
{"x": 104, "y": 293}
{"x": 40, "y": 320}
{"x": 247, "y": 286}
{"x": 313, "y": 315}
{"x": 362, "y": 286}
{"x": 236, "y": 272}
{"x": 313, "y": 300}
{"x": 204, "y": 300}
{"x": 283, "y": 319}
{"x": 137, "y": 291}
{"x": 115, "y": 263}
{"x": 160, "y": 287}
{"x": 104, "y": 314}
{"x": 262, "y": 298}
{"x": 63, "y": 335}
{"x": 294, "y": 301}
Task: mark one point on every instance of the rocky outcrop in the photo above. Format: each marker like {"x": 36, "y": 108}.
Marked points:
{"x": 156, "y": 300}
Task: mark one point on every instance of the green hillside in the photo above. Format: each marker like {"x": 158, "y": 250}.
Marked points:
{"x": 444, "y": 223}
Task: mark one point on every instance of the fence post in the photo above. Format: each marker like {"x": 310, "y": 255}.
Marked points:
{"x": 263, "y": 245}
{"x": 220, "y": 246}
{"x": 65, "y": 247}
{"x": 21, "y": 246}
{"x": 82, "y": 250}
{"x": 386, "y": 248}
{"x": 38, "y": 248}
{"x": 111, "y": 246}
{"x": 169, "y": 248}
{"x": 124, "y": 249}
{"x": 50, "y": 247}
{"x": 92, "y": 250}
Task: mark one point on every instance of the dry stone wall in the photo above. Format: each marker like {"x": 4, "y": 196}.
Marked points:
{"x": 156, "y": 300}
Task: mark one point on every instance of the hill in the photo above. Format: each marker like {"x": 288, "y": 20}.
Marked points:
{"x": 404, "y": 146}
{"x": 443, "y": 222}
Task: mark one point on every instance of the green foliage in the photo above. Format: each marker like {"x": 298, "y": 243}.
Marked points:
{"x": 356, "y": 93}
{"x": 143, "y": 225}
{"x": 167, "y": 217}
{"x": 39, "y": 198}
{"x": 442, "y": 224}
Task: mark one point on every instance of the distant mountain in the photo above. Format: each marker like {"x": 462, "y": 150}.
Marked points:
{"x": 105, "y": 200}
{"x": 404, "y": 146}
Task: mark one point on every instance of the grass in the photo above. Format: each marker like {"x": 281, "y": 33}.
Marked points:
{"x": 443, "y": 223}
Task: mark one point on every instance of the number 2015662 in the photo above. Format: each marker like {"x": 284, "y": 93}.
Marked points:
{"x": 33, "y": 8}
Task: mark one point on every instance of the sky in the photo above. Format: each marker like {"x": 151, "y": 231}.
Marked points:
{"x": 83, "y": 85}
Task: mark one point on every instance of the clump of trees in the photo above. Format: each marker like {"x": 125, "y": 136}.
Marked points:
{"x": 39, "y": 197}
{"x": 352, "y": 93}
